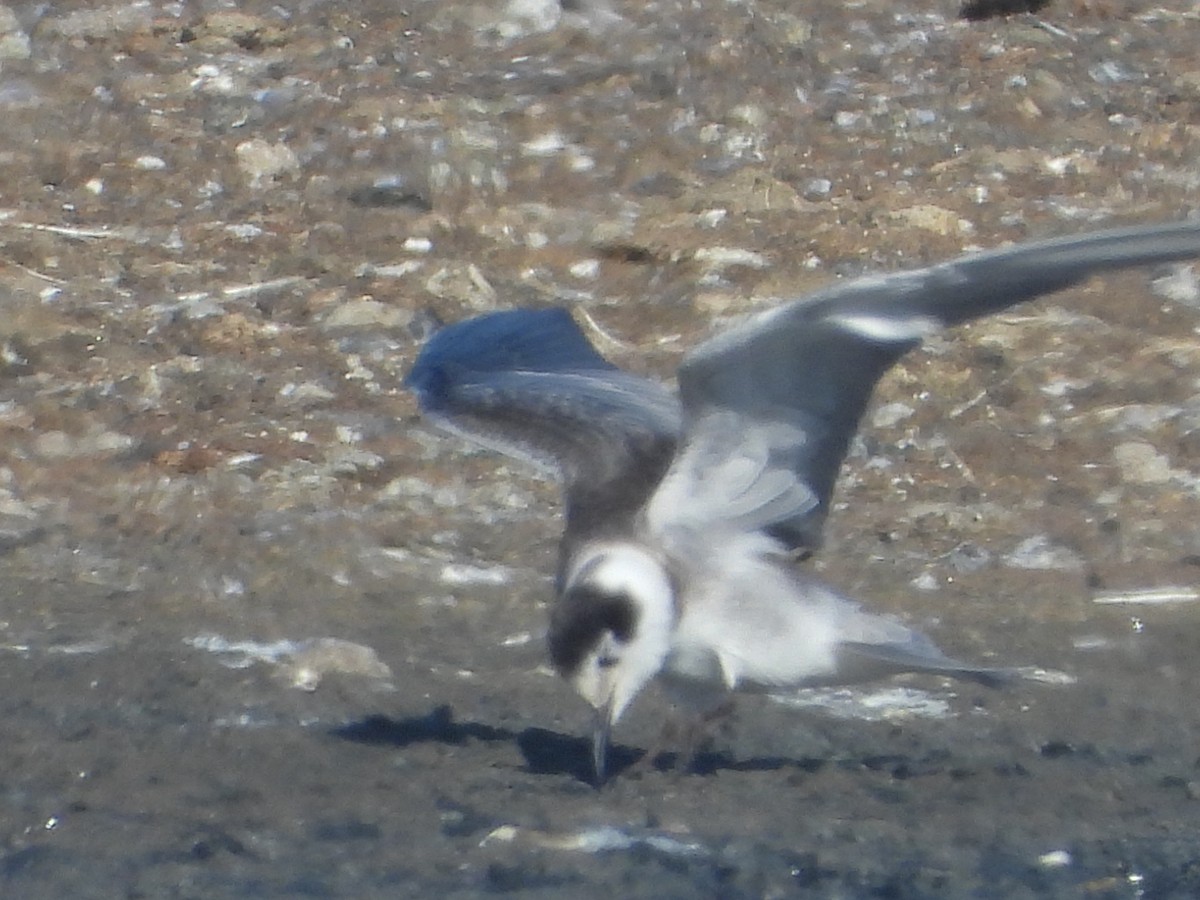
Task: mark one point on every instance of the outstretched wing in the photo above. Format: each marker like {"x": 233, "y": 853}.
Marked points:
{"x": 529, "y": 384}
{"x": 771, "y": 405}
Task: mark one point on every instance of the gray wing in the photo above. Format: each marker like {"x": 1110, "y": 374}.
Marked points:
{"x": 771, "y": 405}
{"x": 872, "y": 646}
{"x": 869, "y": 661}
{"x": 528, "y": 383}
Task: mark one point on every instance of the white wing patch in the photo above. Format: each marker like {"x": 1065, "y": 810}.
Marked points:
{"x": 892, "y": 329}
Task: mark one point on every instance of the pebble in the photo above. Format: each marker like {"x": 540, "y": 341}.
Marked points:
{"x": 263, "y": 161}
{"x": 1040, "y": 552}
{"x": 1141, "y": 463}
{"x": 14, "y": 42}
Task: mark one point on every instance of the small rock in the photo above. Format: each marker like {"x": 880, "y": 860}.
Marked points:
{"x": 14, "y": 43}
{"x": 417, "y": 245}
{"x": 926, "y": 581}
{"x": 787, "y": 31}
{"x": 264, "y": 161}
{"x": 305, "y": 393}
{"x": 968, "y": 557}
{"x": 395, "y": 190}
{"x": 459, "y": 574}
{"x": 323, "y": 656}
{"x": 547, "y": 144}
{"x": 1141, "y": 463}
{"x": 817, "y": 188}
{"x": 525, "y": 17}
{"x": 366, "y": 313}
{"x": 60, "y": 445}
{"x": 1110, "y": 71}
{"x": 1055, "y": 859}
{"x": 1039, "y": 552}
{"x": 462, "y": 283}
{"x": 585, "y": 268}
{"x": 935, "y": 219}
{"x": 218, "y": 30}
{"x": 349, "y": 461}
{"x": 891, "y": 414}
{"x": 717, "y": 259}
{"x": 1181, "y": 286}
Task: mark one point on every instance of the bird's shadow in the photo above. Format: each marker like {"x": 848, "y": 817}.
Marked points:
{"x": 545, "y": 752}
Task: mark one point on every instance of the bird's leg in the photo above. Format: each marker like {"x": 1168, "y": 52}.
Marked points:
{"x": 698, "y": 728}
{"x": 685, "y": 731}
{"x": 667, "y": 736}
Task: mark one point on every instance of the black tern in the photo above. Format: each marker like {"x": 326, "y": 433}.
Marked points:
{"x": 683, "y": 511}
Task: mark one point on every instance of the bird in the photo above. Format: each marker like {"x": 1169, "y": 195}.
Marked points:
{"x": 684, "y": 511}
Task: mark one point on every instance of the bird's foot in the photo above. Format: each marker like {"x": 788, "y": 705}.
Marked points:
{"x": 687, "y": 733}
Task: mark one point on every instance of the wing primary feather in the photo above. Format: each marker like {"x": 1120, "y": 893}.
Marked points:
{"x": 807, "y": 369}
{"x": 529, "y": 384}
{"x": 530, "y": 340}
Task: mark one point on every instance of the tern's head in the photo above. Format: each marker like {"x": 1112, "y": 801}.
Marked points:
{"x": 610, "y": 631}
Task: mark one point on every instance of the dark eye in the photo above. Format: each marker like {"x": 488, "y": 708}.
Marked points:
{"x": 606, "y": 662}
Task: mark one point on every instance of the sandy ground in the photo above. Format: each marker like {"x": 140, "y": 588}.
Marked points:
{"x": 263, "y": 634}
